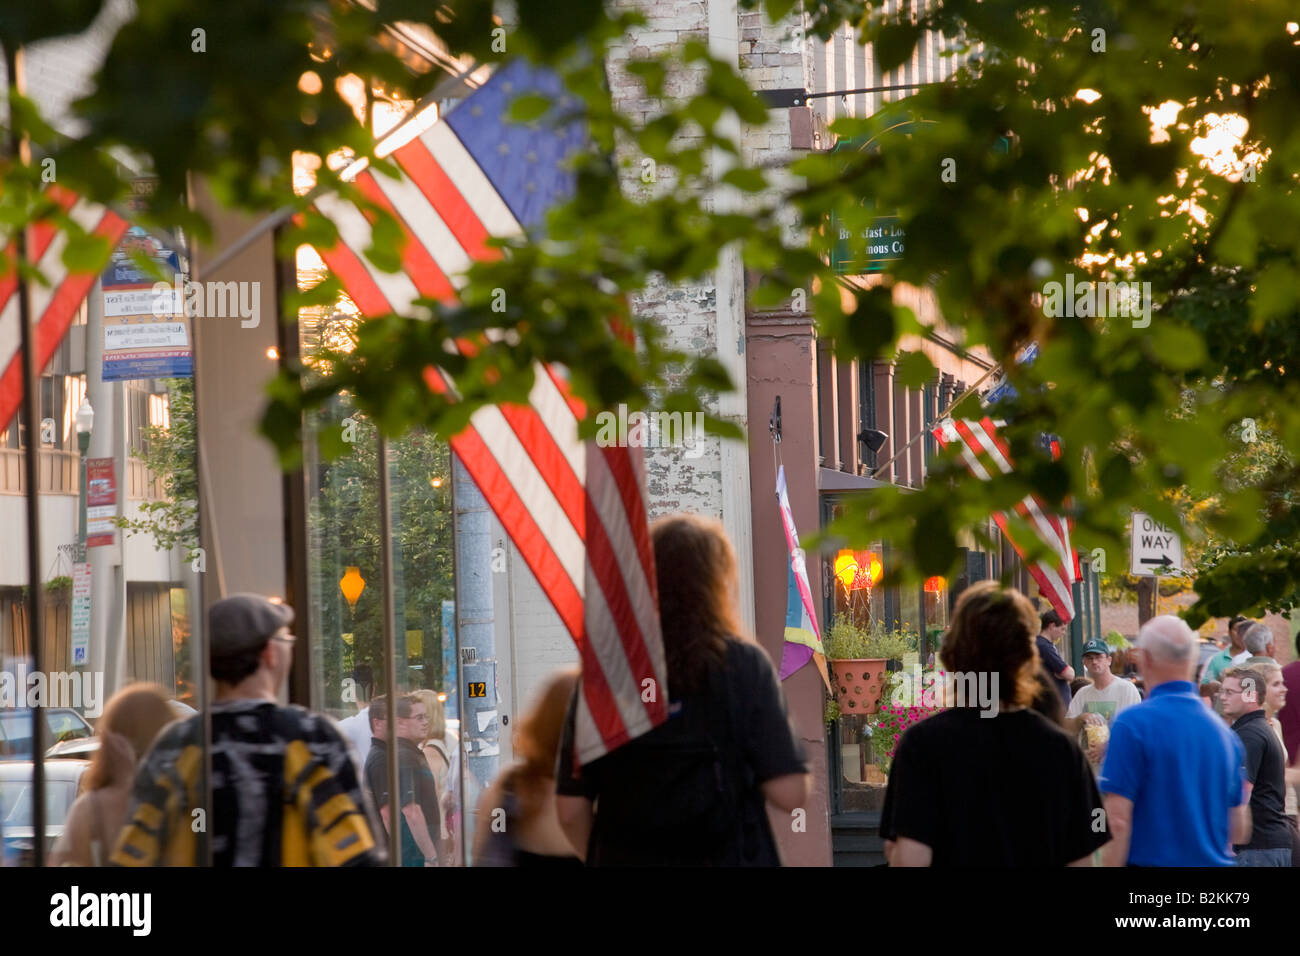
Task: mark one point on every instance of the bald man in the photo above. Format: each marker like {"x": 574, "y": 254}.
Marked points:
{"x": 1173, "y": 781}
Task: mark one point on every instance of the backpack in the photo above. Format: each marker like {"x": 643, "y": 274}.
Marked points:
{"x": 682, "y": 795}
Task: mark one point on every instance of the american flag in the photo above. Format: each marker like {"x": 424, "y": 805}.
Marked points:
{"x": 576, "y": 512}
{"x": 986, "y": 454}
{"x": 53, "y": 306}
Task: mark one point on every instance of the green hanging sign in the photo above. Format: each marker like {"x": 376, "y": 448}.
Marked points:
{"x": 883, "y": 239}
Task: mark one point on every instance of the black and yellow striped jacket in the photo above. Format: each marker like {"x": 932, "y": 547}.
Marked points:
{"x": 285, "y": 792}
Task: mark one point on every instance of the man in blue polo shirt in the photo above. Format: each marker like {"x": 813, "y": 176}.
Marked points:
{"x": 1173, "y": 780}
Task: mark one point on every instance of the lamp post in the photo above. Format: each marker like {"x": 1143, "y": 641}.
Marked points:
{"x": 85, "y": 422}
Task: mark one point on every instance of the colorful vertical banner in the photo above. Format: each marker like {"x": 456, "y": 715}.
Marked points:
{"x": 146, "y": 333}
{"x": 803, "y": 638}
{"x": 101, "y": 502}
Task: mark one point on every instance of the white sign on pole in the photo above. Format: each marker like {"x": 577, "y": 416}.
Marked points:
{"x": 1156, "y": 549}
{"x": 81, "y": 613}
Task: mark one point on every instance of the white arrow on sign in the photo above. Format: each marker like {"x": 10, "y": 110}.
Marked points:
{"x": 1155, "y": 548}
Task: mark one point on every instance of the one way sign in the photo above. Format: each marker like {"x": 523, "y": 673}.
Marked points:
{"x": 1156, "y": 549}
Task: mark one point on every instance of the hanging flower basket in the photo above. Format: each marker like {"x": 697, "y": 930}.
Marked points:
{"x": 858, "y": 683}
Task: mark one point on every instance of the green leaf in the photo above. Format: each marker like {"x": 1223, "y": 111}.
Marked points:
{"x": 705, "y": 110}
{"x": 914, "y": 370}
{"x": 893, "y": 44}
{"x": 529, "y": 106}
{"x": 386, "y": 248}
{"x": 1275, "y": 294}
{"x": 870, "y": 328}
{"x": 1177, "y": 346}
{"x": 749, "y": 180}
{"x": 87, "y": 253}
{"x": 711, "y": 375}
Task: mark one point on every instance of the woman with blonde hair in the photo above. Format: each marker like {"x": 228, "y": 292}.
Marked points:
{"x": 438, "y": 756}
{"x": 693, "y": 790}
{"x": 1275, "y": 700}
{"x": 127, "y": 728}
{"x": 434, "y": 745}
{"x": 525, "y": 793}
{"x": 990, "y": 781}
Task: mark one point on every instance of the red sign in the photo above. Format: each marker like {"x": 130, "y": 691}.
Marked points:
{"x": 101, "y": 502}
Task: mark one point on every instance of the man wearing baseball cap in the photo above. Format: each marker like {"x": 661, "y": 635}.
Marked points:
{"x": 1100, "y": 701}
{"x": 285, "y": 789}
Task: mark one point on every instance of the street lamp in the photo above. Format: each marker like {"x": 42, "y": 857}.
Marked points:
{"x": 85, "y": 422}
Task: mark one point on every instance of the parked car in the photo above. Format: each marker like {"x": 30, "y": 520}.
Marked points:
{"x": 61, "y": 723}
{"x": 62, "y": 780}
{"x": 79, "y": 748}
{"x": 84, "y": 747}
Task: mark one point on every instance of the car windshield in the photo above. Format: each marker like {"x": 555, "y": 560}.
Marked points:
{"x": 60, "y": 725}
{"x": 16, "y": 732}
{"x": 16, "y": 802}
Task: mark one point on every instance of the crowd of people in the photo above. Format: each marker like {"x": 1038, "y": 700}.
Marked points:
{"x": 292, "y": 788}
{"x": 1065, "y": 770}
{"x": 1169, "y": 775}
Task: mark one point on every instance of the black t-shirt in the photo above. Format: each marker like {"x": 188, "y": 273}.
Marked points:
{"x": 1010, "y": 790}
{"x": 415, "y": 785}
{"x": 749, "y": 727}
{"x": 1265, "y": 769}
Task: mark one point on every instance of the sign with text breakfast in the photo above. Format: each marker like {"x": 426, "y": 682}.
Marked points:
{"x": 137, "y": 342}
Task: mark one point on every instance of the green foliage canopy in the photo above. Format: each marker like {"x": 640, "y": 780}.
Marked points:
{"x": 1091, "y": 185}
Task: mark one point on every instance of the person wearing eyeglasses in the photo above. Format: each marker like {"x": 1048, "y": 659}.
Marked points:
{"x": 285, "y": 790}
{"x": 1243, "y": 693}
{"x": 417, "y": 790}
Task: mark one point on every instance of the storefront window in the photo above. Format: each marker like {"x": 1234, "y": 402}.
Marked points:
{"x": 881, "y": 645}
{"x": 345, "y": 570}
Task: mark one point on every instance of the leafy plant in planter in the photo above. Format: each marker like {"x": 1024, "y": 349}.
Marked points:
{"x": 57, "y": 590}
{"x": 859, "y": 661}
{"x": 890, "y": 645}
{"x": 846, "y": 641}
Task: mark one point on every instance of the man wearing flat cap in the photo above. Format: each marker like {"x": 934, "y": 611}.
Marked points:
{"x": 285, "y": 790}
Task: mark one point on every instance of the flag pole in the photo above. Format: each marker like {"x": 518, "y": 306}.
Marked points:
{"x": 390, "y": 650}
{"x": 19, "y": 150}
{"x": 942, "y": 415}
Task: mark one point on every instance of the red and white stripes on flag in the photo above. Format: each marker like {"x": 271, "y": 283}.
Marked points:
{"x": 576, "y": 512}
{"x": 985, "y": 454}
{"x": 52, "y": 306}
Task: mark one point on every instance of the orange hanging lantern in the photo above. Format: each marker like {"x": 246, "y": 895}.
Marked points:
{"x": 871, "y": 564}
{"x": 935, "y": 584}
{"x": 857, "y": 570}
{"x": 846, "y": 568}
{"x": 352, "y": 584}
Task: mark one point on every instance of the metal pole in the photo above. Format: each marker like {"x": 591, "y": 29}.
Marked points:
{"x": 83, "y": 445}
{"x": 31, "y": 471}
{"x": 480, "y": 722}
{"x": 940, "y": 417}
{"x": 390, "y": 651}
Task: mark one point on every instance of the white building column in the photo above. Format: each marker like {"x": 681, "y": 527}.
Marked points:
{"x": 737, "y": 516}
{"x": 107, "y": 440}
